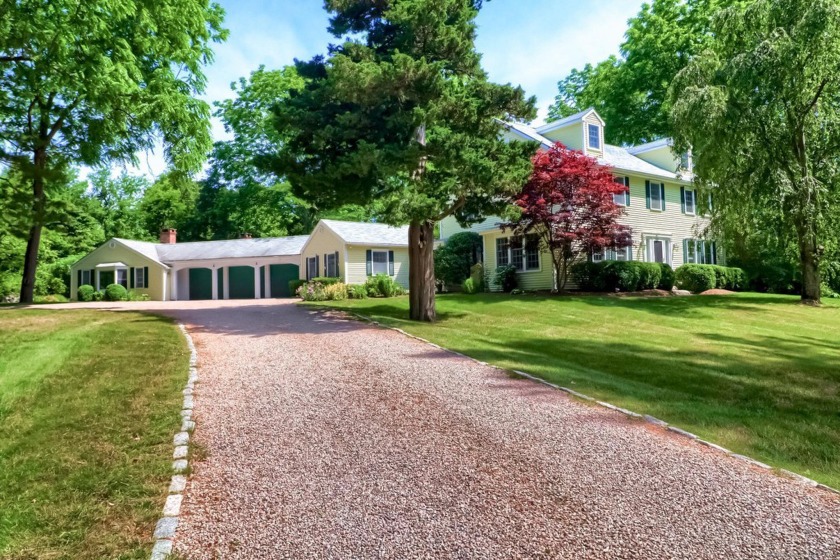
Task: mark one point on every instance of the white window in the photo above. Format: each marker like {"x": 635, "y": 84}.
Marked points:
{"x": 139, "y": 279}
{"x": 700, "y": 251}
{"x": 122, "y": 277}
{"x": 623, "y": 198}
{"x": 522, "y": 253}
{"x": 685, "y": 162}
{"x": 657, "y": 192}
{"x": 690, "y": 201}
{"x": 594, "y": 136}
{"x": 86, "y": 278}
{"x": 379, "y": 262}
{"x": 311, "y": 268}
{"x": 331, "y": 263}
{"x": 624, "y": 254}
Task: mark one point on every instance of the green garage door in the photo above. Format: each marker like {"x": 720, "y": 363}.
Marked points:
{"x": 241, "y": 280}
{"x": 281, "y": 274}
{"x": 201, "y": 283}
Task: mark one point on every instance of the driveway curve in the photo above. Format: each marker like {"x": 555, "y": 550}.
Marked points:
{"x": 330, "y": 438}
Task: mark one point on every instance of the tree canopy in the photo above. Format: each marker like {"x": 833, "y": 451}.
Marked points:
{"x": 97, "y": 81}
{"x": 631, "y": 91}
{"x": 759, "y": 109}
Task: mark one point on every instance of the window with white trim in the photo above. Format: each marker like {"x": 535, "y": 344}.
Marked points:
{"x": 690, "y": 201}
{"x": 86, "y": 279}
{"x": 122, "y": 277}
{"x": 622, "y": 198}
{"x": 656, "y": 202}
{"x": 311, "y": 268}
{"x": 332, "y": 261}
{"x": 685, "y": 162}
{"x": 522, "y": 253}
{"x": 658, "y": 250}
{"x": 594, "y": 136}
{"x": 623, "y": 254}
{"x": 139, "y": 279}
{"x": 700, "y": 251}
{"x": 379, "y": 262}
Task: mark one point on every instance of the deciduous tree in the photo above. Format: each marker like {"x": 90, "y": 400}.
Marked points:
{"x": 760, "y": 111}
{"x": 402, "y": 113}
{"x": 569, "y": 205}
{"x": 89, "y": 82}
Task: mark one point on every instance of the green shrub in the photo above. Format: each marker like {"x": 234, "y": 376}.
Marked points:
{"x": 506, "y": 278}
{"x": 696, "y": 278}
{"x": 52, "y": 298}
{"x": 357, "y": 291}
{"x": 470, "y": 286}
{"x": 138, "y": 296}
{"x": 826, "y": 291}
{"x": 326, "y": 281}
{"x": 116, "y": 292}
{"x": 335, "y": 292}
{"x": 98, "y": 295}
{"x": 831, "y": 275}
{"x": 294, "y": 285}
{"x": 454, "y": 258}
{"x": 383, "y": 285}
{"x": 617, "y": 276}
{"x": 312, "y": 291}
{"x": 85, "y": 292}
{"x": 668, "y": 278}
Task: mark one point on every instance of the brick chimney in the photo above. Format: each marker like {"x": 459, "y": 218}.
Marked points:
{"x": 168, "y": 236}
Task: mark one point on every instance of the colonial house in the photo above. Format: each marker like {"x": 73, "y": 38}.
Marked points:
{"x": 244, "y": 268}
{"x": 661, "y": 206}
{"x": 353, "y": 251}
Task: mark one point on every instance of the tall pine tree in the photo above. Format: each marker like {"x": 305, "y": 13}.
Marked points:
{"x": 402, "y": 114}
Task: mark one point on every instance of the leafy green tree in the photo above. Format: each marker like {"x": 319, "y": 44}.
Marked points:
{"x": 168, "y": 203}
{"x": 631, "y": 91}
{"x": 454, "y": 258}
{"x": 401, "y": 112}
{"x": 118, "y": 207}
{"x": 759, "y": 110}
{"x": 96, "y": 81}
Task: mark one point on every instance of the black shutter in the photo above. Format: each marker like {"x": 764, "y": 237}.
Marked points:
{"x": 369, "y": 262}
{"x": 337, "y": 271}
{"x": 682, "y": 198}
{"x": 647, "y": 193}
{"x": 317, "y": 264}
{"x": 391, "y": 263}
{"x": 627, "y": 192}
{"x": 79, "y": 278}
{"x": 326, "y": 271}
{"x": 145, "y": 276}
{"x": 131, "y": 277}
{"x": 662, "y": 187}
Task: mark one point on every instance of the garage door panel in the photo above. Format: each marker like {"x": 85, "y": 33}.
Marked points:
{"x": 241, "y": 282}
{"x": 201, "y": 283}
{"x": 281, "y": 275}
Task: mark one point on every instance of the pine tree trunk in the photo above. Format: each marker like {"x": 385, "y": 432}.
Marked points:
{"x": 33, "y": 244}
{"x": 421, "y": 272}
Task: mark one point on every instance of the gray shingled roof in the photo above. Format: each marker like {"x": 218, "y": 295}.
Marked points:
{"x": 212, "y": 250}
{"x": 380, "y": 235}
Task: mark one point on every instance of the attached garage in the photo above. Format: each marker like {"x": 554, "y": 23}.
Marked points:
{"x": 280, "y": 276}
{"x": 241, "y": 280}
{"x": 201, "y": 283}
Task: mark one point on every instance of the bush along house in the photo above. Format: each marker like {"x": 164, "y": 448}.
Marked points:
{"x": 661, "y": 205}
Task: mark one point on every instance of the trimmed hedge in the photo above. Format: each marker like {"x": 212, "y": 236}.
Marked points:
{"x": 294, "y": 285}
{"x": 698, "y": 278}
{"x": 116, "y": 292}
{"x": 85, "y": 293}
{"x": 327, "y": 281}
{"x": 669, "y": 277}
{"x": 618, "y": 276}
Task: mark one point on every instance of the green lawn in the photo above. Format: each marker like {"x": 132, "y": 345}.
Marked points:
{"x": 759, "y": 374}
{"x": 89, "y": 402}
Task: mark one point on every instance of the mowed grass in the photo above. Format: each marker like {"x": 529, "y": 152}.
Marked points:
{"x": 759, "y": 374}
{"x": 89, "y": 402}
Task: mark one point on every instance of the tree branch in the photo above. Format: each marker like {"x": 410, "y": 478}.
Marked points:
{"x": 17, "y": 58}
{"x": 815, "y": 100}
{"x": 452, "y": 209}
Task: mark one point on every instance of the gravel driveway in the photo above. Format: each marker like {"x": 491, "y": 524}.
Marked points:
{"x": 328, "y": 438}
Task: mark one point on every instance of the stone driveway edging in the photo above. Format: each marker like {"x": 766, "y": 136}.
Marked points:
{"x": 644, "y": 418}
{"x": 168, "y": 523}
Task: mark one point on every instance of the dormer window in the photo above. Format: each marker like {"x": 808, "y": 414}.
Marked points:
{"x": 685, "y": 162}
{"x": 594, "y": 136}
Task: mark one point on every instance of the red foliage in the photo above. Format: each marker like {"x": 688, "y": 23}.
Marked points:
{"x": 569, "y": 203}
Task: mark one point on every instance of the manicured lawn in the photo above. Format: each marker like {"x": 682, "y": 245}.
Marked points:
{"x": 759, "y": 374}
{"x": 89, "y": 402}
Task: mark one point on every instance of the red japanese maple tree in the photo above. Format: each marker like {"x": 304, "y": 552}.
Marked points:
{"x": 568, "y": 204}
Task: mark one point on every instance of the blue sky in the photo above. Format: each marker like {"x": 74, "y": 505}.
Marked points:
{"x": 532, "y": 43}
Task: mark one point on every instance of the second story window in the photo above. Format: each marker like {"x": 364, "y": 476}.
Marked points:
{"x": 622, "y": 199}
{"x": 656, "y": 196}
{"x": 690, "y": 201}
{"x": 594, "y": 132}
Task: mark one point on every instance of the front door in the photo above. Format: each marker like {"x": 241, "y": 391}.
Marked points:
{"x": 658, "y": 250}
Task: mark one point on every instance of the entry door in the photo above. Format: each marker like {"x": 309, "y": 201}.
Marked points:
{"x": 658, "y": 250}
